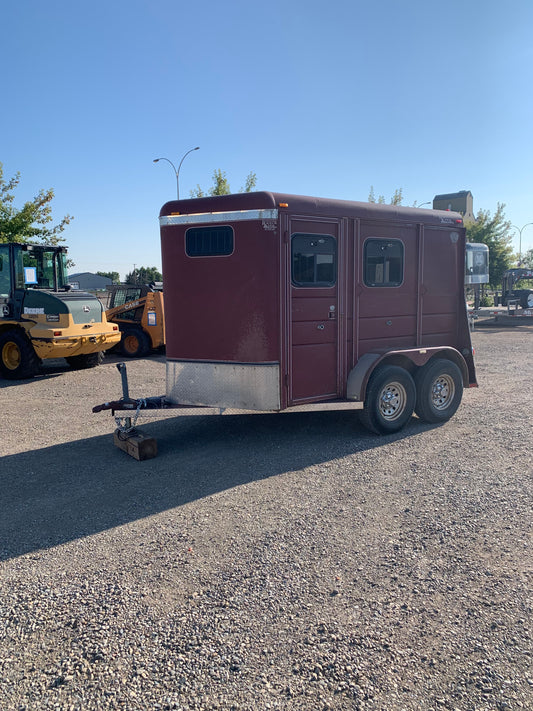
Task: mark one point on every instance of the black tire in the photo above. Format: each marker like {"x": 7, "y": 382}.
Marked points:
{"x": 439, "y": 390}
{"x": 88, "y": 360}
{"x": 18, "y": 359}
{"x": 527, "y": 300}
{"x": 134, "y": 343}
{"x": 390, "y": 400}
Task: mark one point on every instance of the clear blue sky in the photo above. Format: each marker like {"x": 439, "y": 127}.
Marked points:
{"x": 317, "y": 98}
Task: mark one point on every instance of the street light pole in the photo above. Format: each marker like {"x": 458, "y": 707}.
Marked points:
{"x": 177, "y": 172}
{"x": 179, "y": 167}
{"x": 520, "y": 240}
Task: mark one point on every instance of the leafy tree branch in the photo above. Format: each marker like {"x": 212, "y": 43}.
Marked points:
{"x": 31, "y": 222}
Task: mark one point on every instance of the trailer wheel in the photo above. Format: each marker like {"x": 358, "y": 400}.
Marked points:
{"x": 439, "y": 390}
{"x": 390, "y": 400}
{"x": 18, "y": 359}
{"x": 135, "y": 343}
{"x": 87, "y": 360}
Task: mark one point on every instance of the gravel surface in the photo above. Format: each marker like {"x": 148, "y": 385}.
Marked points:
{"x": 267, "y": 561}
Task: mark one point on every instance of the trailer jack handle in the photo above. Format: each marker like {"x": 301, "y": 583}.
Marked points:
{"x": 124, "y": 375}
{"x": 124, "y": 424}
{"x": 126, "y": 437}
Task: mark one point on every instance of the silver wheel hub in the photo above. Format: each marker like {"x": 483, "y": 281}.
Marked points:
{"x": 442, "y": 392}
{"x": 392, "y": 401}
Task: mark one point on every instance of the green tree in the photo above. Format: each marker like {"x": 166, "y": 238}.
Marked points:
{"x": 396, "y": 199}
{"x": 221, "y": 185}
{"x": 494, "y": 231}
{"x": 144, "y": 275}
{"x": 527, "y": 259}
{"x": 31, "y": 223}
{"x": 251, "y": 182}
{"x": 114, "y": 276}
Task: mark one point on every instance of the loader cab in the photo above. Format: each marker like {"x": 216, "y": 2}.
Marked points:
{"x": 40, "y": 267}
{"x": 120, "y": 294}
{"x": 5, "y": 272}
{"x": 5, "y": 281}
{"x": 27, "y": 266}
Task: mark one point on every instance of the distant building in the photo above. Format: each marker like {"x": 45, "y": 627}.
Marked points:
{"x": 86, "y": 281}
{"x": 462, "y": 202}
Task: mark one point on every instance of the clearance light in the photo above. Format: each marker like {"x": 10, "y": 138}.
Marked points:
{"x": 115, "y": 328}
{"x": 175, "y": 213}
{"x": 283, "y": 204}
{"x": 58, "y": 333}
{"x": 458, "y": 222}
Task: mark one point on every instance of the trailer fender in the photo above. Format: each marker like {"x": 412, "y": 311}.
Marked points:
{"x": 359, "y": 375}
{"x": 410, "y": 359}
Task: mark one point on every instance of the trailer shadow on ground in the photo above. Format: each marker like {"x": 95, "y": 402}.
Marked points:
{"x": 494, "y": 326}
{"x": 58, "y": 494}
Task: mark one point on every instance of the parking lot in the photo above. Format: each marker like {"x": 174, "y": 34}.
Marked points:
{"x": 267, "y": 561}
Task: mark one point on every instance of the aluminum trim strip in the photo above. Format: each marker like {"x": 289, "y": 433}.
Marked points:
{"x": 207, "y": 217}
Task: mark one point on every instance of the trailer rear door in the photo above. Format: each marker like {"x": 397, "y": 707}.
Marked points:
{"x": 313, "y": 333}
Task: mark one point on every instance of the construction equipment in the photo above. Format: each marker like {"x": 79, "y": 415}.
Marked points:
{"x": 138, "y": 310}
{"x": 42, "y": 317}
{"x": 509, "y": 293}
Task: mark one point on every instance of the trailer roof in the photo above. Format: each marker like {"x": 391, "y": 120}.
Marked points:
{"x": 305, "y": 205}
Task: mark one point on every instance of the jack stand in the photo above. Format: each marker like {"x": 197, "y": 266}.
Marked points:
{"x": 128, "y": 439}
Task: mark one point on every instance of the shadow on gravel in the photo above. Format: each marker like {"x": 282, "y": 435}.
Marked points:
{"x": 494, "y": 326}
{"x": 61, "y": 493}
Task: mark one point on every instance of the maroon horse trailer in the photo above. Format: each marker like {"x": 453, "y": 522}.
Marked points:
{"x": 278, "y": 302}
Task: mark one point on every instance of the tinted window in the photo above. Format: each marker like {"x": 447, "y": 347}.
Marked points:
{"x": 383, "y": 262}
{"x": 214, "y": 241}
{"x": 314, "y": 260}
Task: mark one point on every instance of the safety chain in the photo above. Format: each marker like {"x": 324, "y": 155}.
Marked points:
{"x": 124, "y": 424}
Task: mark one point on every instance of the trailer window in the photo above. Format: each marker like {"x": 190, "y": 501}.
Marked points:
{"x": 314, "y": 260}
{"x": 214, "y": 241}
{"x": 383, "y": 262}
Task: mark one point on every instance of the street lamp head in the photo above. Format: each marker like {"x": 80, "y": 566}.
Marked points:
{"x": 177, "y": 172}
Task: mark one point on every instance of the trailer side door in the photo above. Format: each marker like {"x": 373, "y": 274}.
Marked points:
{"x": 314, "y": 323}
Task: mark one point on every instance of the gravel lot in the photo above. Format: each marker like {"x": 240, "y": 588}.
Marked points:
{"x": 267, "y": 562}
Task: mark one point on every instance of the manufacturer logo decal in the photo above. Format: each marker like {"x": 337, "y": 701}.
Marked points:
{"x": 86, "y": 309}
